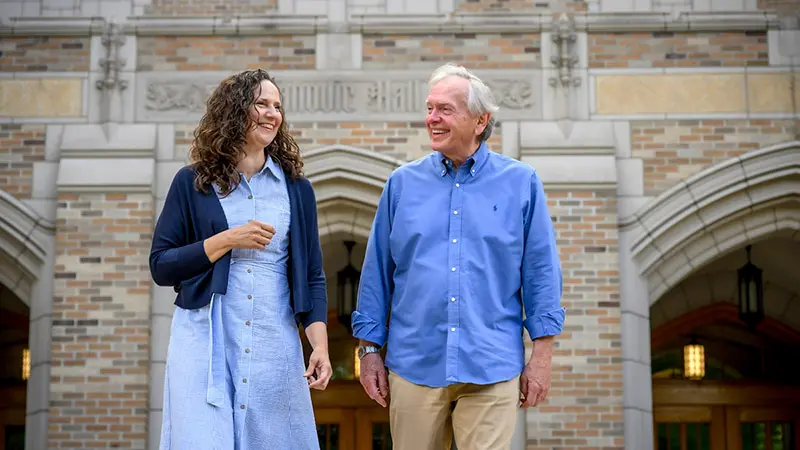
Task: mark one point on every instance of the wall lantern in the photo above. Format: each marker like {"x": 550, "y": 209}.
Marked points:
{"x": 694, "y": 360}
{"x": 751, "y": 293}
{"x": 348, "y": 289}
{"x": 26, "y": 364}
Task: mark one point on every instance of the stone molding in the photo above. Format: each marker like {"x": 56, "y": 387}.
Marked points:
{"x": 392, "y": 23}
{"x": 333, "y": 95}
{"x": 714, "y": 211}
{"x": 708, "y": 289}
{"x": 343, "y": 172}
{"x": 24, "y": 240}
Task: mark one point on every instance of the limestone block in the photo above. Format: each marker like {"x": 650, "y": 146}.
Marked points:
{"x": 674, "y": 93}
{"x": 41, "y": 97}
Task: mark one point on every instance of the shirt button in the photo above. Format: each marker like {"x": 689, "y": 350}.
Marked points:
{"x": 452, "y": 329}
{"x": 249, "y": 270}
{"x": 242, "y": 406}
{"x": 455, "y": 240}
{"x": 458, "y": 184}
{"x": 453, "y": 269}
{"x": 247, "y": 350}
{"x": 452, "y": 299}
{"x": 247, "y": 323}
{"x": 455, "y": 212}
{"x": 244, "y": 380}
{"x": 249, "y": 197}
{"x": 249, "y": 297}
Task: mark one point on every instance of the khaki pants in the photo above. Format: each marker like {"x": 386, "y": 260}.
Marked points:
{"x": 483, "y": 419}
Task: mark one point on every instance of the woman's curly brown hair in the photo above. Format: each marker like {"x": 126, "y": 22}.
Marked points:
{"x": 220, "y": 137}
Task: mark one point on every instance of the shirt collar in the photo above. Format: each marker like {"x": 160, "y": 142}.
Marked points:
{"x": 272, "y": 167}
{"x": 474, "y": 163}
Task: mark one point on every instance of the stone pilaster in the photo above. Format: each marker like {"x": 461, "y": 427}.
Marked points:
{"x": 101, "y": 295}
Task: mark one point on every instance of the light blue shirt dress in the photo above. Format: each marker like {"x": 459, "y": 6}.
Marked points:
{"x": 234, "y": 377}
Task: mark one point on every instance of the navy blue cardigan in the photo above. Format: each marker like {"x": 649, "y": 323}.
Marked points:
{"x": 178, "y": 259}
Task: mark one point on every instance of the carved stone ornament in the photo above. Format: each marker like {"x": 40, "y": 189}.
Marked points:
{"x": 325, "y": 96}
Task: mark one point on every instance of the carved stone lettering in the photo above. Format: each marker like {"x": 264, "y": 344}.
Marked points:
{"x": 356, "y": 97}
{"x": 396, "y": 96}
{"x": 324, "y": 97}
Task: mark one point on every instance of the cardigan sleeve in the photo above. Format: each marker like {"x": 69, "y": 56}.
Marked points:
{"x": 173, "y": 259}
{"x": 316, "y": 276}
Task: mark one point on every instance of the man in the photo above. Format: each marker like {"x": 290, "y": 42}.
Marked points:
{"x": 461, "y": 242}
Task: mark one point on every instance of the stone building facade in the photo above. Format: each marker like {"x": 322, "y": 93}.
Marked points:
{"x": 666, "y": 133}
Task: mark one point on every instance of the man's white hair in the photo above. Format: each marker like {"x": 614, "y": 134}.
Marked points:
{"x": 480, "y": 99}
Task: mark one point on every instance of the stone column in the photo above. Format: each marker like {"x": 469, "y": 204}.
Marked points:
{"x": 38, "y": 394}
{"x": 101, "y": 303}
{"x": 163, "y": 298}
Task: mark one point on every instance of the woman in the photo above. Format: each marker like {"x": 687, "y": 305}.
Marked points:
{"x": 238, "y": 241}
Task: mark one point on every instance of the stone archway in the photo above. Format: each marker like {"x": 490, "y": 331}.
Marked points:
{"x": 26, "y": 268}
{"x": 348, "y": 182}
{"x": 742, "y": 200}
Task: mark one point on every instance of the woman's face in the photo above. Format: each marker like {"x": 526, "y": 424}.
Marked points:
{"x": 266, "y": 114}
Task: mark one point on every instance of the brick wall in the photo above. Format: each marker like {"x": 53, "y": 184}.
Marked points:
{"x": 226, "y": 53}
{"x": 101, "y": 309}
{"x": 667, "y": 49}
{"x": 584, "y": 407}
{"x": 476, "y": 51}
{"x": 209, "y": 7}
{"x": 674, "y": 150}
{"x": 401, "y": 140}
{"x": 43, "y": 54}
{"x": 20, "y": 147}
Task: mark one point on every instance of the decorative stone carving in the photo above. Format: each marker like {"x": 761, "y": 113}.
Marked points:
{"x": 564, "y": 38}
{"x": 113, "y": 38}
{"x": 324, "y": 96}
{"x": 513, "y": 94}
{"x": 177, "y": 96}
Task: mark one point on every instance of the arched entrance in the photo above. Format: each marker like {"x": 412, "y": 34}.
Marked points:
{"x": 684, "y": 250}
{"x": 348, "y": 183}
{"x": 26, "y": 263}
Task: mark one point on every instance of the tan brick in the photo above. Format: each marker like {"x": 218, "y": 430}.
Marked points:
{"x": 676, "y": 150}
{"x": 100, "y": 333}
{"x": 44, "y": 54}
{"x": 580, "y": 399}
{"x": 20, "y": 147}
{"x": 669, "y": 49}
{"x": 226, "y": 52}
{"x": 476, "y": 51}
{"x": 209, "y": 7}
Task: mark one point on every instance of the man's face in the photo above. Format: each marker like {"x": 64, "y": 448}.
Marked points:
{"x": 452, "y": 128}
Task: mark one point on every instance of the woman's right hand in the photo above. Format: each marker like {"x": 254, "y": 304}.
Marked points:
{"x": 253, "y": 235}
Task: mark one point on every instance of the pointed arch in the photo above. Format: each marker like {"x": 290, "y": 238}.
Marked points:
{"x": 744, "y": 199}
{"x": 23, "y": 245}
{"x": 348, "y": 182}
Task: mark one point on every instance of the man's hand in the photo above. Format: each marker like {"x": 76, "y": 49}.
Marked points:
{"x": 373, "y": 378}
{"x": 535, "y": 378}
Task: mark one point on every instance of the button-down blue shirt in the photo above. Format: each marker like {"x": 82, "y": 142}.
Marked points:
{"x": 452, "y": 259}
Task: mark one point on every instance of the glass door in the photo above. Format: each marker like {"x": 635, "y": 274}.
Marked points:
{"x": 685, "y": 428}
{"x": 372, "y": 429}
{"x": 765, "y": 428}
{"x": 335, "y": 429}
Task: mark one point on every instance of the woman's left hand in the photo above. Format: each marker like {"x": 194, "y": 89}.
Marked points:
{"x": 319, "y": 369}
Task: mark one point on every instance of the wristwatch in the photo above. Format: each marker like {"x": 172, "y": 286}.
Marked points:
{"x": 363, "y": 350}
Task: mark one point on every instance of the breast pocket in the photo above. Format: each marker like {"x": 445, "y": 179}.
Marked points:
{"x": 494, "y": 222}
